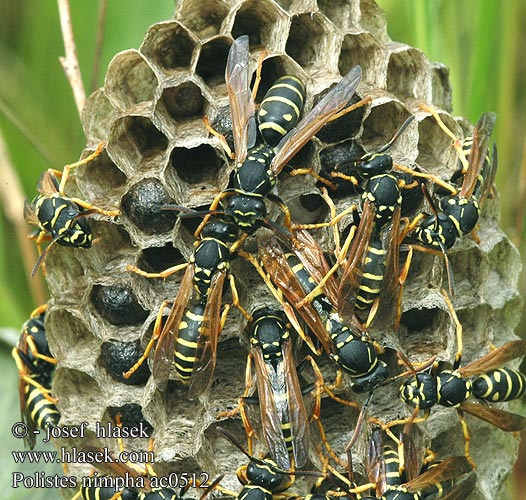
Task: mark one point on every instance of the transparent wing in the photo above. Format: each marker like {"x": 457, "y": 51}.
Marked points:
{"x": 495, "y": 359}
{"x": 479, "y": 151}
{"x": 353, "y": 269}
{"x": 241, "y": 103}
{"x": 270, "y": 419}
{"x": 318, "y": 116}
{"x": 207, "y": 343}
{"x": 164, "y": 351}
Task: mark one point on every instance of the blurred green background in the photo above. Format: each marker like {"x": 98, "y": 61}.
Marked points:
{"x": 482, "y": 42}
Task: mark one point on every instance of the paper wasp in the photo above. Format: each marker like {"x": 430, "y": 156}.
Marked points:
{"x": 283, "y": 415}
{"x": 458, "y": 214}
{"x": 257, "y": 166}
{"x": 391, "y": 480}
{"x": 59, "y": 217}
{"x": 190, "y": 333}
{"x": 483, "y": 378}
{"x": 262, "y": 479}
{"x": 35, "y": 367}
{"x": 298, "y": 274}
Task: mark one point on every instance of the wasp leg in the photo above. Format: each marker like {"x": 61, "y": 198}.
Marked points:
{"x": 164, "y": 274}
{"x": 332, "y": 223}
{"x": 458, "y": 328}
{"x": 457, "y": 143}
{"x": 92, "y": 209}
{"x": 330, "y": 388}
{"x": 36, "y": 354}
{"x": 316, "y": 412}
{"x": 410, "y": 226}
{"x": 431, "y": 177}
{"x": 157, "y": 329}
{"x": 359, "y": 104}
{"x": 68, "y": 168}
{"x": 38, "y": 311}
{"x": 257, "y": 81}
{"x": 401, "y": 280}
{"x": 22, "y": 370}
{"x": 240, "y": 408}
{"x": 235, "y": 302}
{"x": 286, "y": 212}
{"x": 312, "y": 173}
{"x": 467, "y": 437}
{"x": 411, "y": 419}
{"x": 221, "y": 137}
{"x": 213, "y": 206}
{"x": 46, "y": 392}
{"x": 449, "y": 270}
{"x": 340, "y": 259}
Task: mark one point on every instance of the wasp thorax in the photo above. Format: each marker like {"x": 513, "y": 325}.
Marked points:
{"x": 420, "y": 390}
{"x": 452, "y": 388}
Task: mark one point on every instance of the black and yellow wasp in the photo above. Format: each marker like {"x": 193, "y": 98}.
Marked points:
{"x": 258, "y": 165}
{"x": 299, "y": 272}
{"x": 59, "y": 217}
{"x": 283, "y": 416}
{"x": 190, "y": 333}
{"x": 399, "y": 475}
{"x": 35, "y": 367}
{"x": 458, "y": 214}
{"x": 262, "y": 479}
{"x": 483, "y": 378}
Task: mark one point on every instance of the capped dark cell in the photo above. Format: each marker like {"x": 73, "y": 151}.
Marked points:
{"x": 143, "y": 205}
{"x": 118, "y": 357}
{"x": 131, "y": 416}
{"x": 340, "y": 158}
{"x": 345, "y": 127}
{"x": 118, "y": 305}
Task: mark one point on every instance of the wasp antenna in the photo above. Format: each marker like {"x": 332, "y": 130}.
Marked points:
{"x": 396, "y": 135}
{"x": 450, "y": 279}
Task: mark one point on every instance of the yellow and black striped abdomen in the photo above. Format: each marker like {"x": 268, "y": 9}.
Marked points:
{"x": 499, "y": 385}
{"x": 187, "y": 341}
{"x": 392, "y": 467}
{"x": 281, "y": 109}
{"x": 41, "y": 411}
{"x": 373, "y": 273}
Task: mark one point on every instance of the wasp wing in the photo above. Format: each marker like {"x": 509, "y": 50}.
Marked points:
{"x": 271, "y": 387}
{"x": 354, "y": 266}
{"x": 298, "y": 415}
{"x": 205, "y": 363}
{"x": 478, "y": 153}
{"x": 242, "y": 106}
{"x": 489, "y": 170}
{"x": 48, "y": 184}
{"x": 462, "y": 490}
{"x": 164, "y": 351}
{"x": 376, "y": 472}
{"x": 450, "y": 468}
{"x": 390, "y": 288}
{"x": 312, "y": 122}
{"x": 504, "y": 420}
{"x": 279, "y": 271}
{"x": 311, "y": 255}
{"x": 495, "y": 358}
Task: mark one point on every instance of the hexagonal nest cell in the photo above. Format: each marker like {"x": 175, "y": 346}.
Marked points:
{"x": 159, "y": 152}
{"x": 170, "y": 46}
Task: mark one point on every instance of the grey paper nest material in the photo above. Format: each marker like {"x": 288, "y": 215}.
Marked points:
{"x": 158, "y": 151}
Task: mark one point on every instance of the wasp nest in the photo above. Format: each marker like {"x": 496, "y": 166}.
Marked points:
{"x": 150, "y": 112}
